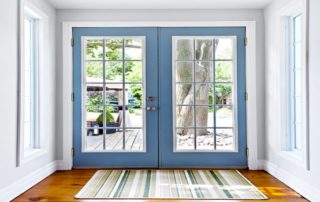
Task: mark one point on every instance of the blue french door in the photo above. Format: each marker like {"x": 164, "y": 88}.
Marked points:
{"x": 115, "y": 116}
{"x": 203, "y": 111}
{"x": 159, "y": 97}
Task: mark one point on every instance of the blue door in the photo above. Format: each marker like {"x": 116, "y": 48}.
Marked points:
{"x": 115, "y": 97}
{"x": 203, "y": 112}
{"x": 159, "y": 97}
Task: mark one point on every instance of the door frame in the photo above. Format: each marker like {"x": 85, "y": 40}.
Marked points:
{"x": 67, "y": 70}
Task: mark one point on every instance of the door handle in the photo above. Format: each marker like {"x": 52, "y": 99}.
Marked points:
{"x": 151, "y": 108}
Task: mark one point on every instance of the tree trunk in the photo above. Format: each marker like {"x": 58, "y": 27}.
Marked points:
{"x": 185, "y": 93}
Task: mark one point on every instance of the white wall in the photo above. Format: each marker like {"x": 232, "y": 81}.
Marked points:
{"x": 166, "y": 15}
{"x": 9, "y": 172}
{"x": 306, "y": 182}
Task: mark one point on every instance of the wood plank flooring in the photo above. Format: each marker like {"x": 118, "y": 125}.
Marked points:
{"x": 114, "y": 141}
{"x": 62, "y": 186}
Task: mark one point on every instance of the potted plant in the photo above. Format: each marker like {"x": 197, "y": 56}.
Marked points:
{"x": 110, "y": 122}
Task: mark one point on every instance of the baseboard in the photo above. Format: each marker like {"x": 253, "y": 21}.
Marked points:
{"x": 63, "y": 165}
{"x": 299, "y": 185}
{"x": 18, "y": 187}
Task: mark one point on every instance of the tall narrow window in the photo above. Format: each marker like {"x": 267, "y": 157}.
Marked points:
{"x": 296, "y": 85}
{"x": 29, "y": 87}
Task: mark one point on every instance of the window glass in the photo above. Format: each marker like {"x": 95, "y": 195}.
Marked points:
{"x": 204, "y": 112}
{"x": 296, "y": 84}
{"x": 29, "y": 86}
{"x": 114, "y": 117}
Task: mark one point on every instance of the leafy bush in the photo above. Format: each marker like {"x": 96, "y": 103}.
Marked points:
{"x": 109, "y": 116}
{"x": 131, "y": 111}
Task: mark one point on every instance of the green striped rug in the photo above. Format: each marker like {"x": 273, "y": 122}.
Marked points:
{"x": 169, "y": 184}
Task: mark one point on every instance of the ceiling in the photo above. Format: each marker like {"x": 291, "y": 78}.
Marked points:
{"x": 159, "y": 4}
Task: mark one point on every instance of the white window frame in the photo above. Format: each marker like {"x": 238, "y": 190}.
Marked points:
{"x": 234, "y": 96}
{"x": 39, "y": 149}
{"x": 84, "y": 91}
{"x": 287, "y": 14}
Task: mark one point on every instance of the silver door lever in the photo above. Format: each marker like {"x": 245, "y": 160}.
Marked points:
{"x": 152, "y": 108}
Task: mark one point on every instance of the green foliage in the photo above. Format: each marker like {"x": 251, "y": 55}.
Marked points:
{"x": 114, "y": 71}
{"x": 222, "y": 91}
{"x": 131, "y": 110}
{"x": 94, "y": 49}
{"x": 136, "y": 92}
{"x": 223, "y": 71}
{"x": 94, "y": 70}
{"x": 109, "y": 117}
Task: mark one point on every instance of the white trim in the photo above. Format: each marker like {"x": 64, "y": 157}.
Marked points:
{"x": 42, "y": 29}
{"x": 16, "y": 188}
{"x": 299, "y": 185}
{"x": 251, "y": 86}
{"x": 252, "y": 130}
{"x": 300, "y": 157}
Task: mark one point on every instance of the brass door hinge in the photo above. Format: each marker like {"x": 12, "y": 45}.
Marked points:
{"x": 72, "y": 152}
{"x": 72, "y": 97}
{"x": 246, "y": 96}
{"x": 72, "y": 41}
{"x": 245, "y": 41}
{"x": 247, "y": 152}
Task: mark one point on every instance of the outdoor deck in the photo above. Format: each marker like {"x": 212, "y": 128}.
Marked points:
{"x": 114, "y": 141}
{"x": 134, "y": 141}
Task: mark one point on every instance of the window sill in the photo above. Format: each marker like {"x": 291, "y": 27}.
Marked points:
{"x": 31, "y": 155}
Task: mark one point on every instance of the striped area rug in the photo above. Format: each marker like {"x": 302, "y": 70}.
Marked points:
{"x": 169, "y": 184}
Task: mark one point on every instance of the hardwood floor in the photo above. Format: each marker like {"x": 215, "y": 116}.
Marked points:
{"x": 64, "y": 185}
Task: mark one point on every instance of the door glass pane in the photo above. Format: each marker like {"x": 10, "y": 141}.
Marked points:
{"x": 224, "y": 116}
{"x": 204, "y": 71}
{"x": 133, "y": 71}
{"x": 94, "y": 50}
{"x": 225, "y": 139}
{"x": 114, "y": 114}
{"x": 184, "y": 49}
{"x": 223, "y": 71}
{"x": 203, "y": 82}
{"x": 184, "y": 94}
{"x": 205, "y": 138}
{"x": 114, "y": 49}
{"x": 94, "y": 95}
{"x": 94, "y": 140}
{"x": 224, "y": 49}
{"x": 223, "y": 92}
{"x": 184, "y": 116}
{"x": 184, "y": 71}
{"x": 204, "y": 116}
{"x": 94, "y": 72}
{"x": 133, "y": 49}
{"x": 204, "y": 93}
{"x": 114, "y": 71}
{"x": 134, "y": 139}
{"x": 204, "y": 49}
{"x": 185, "y": 139}
{"x": 93, "y": 117}
{"x": 114, "y": 139}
